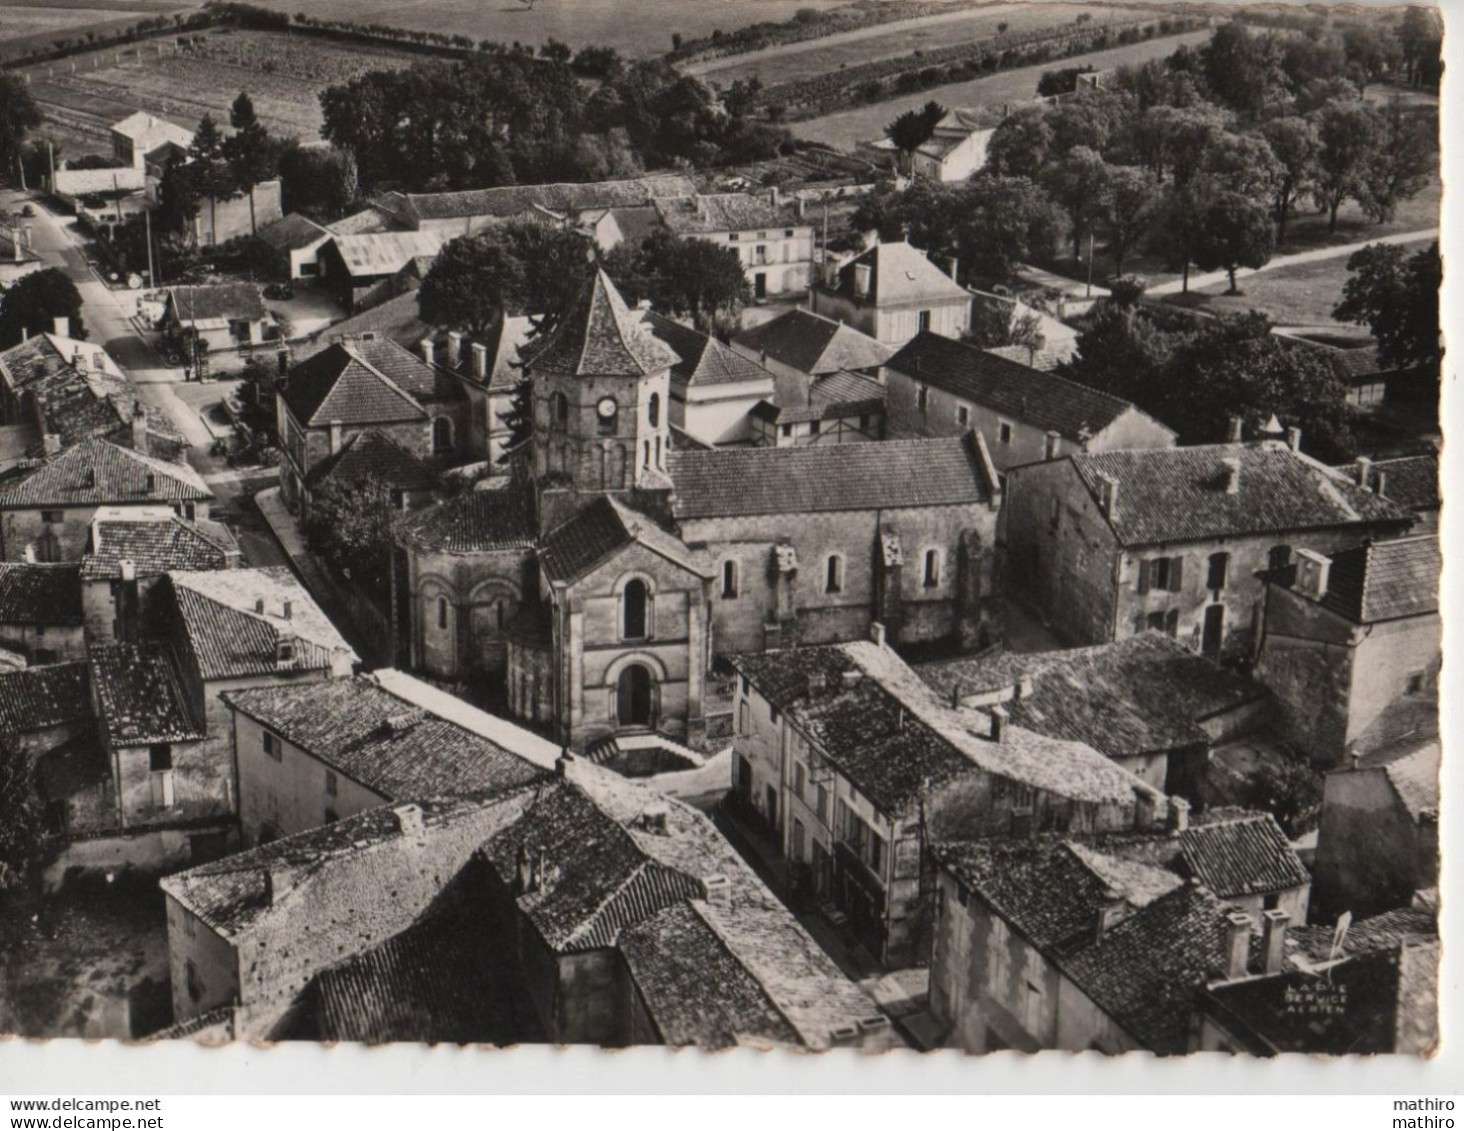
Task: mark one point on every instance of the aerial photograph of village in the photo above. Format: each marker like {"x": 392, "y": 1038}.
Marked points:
{"x": 801, "y": 524}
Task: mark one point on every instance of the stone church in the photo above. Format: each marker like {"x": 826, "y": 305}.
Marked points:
{"x": 600, "y": 581}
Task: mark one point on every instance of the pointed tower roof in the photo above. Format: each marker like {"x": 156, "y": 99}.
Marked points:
{"x": 601, "y": 336}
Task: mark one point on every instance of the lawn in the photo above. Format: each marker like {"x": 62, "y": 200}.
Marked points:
{"x": 89, "y": 961}
{"x": 848, "y": 128}
{"x": 817, "y": 56}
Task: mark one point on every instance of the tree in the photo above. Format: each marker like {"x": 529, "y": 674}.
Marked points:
{"x": 1396, "y": 296}
{"x": 319, "y": 182}
{"x": 352, "y": 526}
{"x": 35, "y": 301}
{"x": 1419, "y": 39}
{"x": 1078, "y": 183}
{"x": 1131, "y": 204}
{"x": 1370, "y": 53}
{"x": 1243, "y": 164}
{"x": 473, "y": 280}
{"x": 177, "y": 202}
{"x": 1404, "y": 161}
{"x": 1000, "y": 322}
{"x": 689, "y": 278}
{"x": 19, "y": 114}
{"x": 248, "y": 151}
{"x": 209, "y": 170}
{"x": 1119, "y": 351}
{"x": 1236, "y": 232}
{"x": 1021, "y": 145}
{"x": 914, "y": 128}
{"x": 1348, "y": 135}
{"x": 1176, "y": 231}
{"x": 22, "y": 820}
{"x": 1242, "y": 70}
{"x": 1177, "y": 139}
{"x": 1294, "y": 143}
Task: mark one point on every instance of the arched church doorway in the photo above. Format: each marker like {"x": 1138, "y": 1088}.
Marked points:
{"x": 633, "y": 697}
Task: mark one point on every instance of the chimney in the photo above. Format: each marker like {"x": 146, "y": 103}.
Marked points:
{"x": 62, "y": 325}
{"x": 288, "y": 609}
{"x": 1110, "y": 911}
{"x": 129, "y": 570}
{"x": 953, "y": 268}
{"x": 877, "y": 632}
{"x": 259, "y": 606}
{"x": 1023, "y": 688}
{"x": 1273, "y": 939}
{"x": 1364, "y": 472}
{"x": 152, "y": 483}
{"x": 78, "y": 359}
{"x": 717, "y": 890}
{"x": 802, "y": 206}
{"x": 408, "y": 819}
{"x": 1179, "y": 811}
{"x": 1108, "y": 488}
{"x": 1380, "y": 484}
{"x": 1237, "y": 945}
{"x": 1313, "y": 571}
{"x": 999, "y": 719}
{"x": 1293, "y": 439}
{"x": 276, "y": 881}
{"x": 429, "y": 350}
{"x": 564, "y": 764}
{"x": 1232, "y": 476}
{"x": 1051, "y": 444}
{"x": 335, "y": 436}
{"x": 454, "y": 349}
{"x": 1236, "y": 432}
{"x": 863, "y": 281}
{"x": 480, "y": 361}
{"x": 139, "y": 428}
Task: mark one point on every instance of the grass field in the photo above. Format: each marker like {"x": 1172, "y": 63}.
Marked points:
{"x": 847, "y": 128}
{"x": 818, "y": 56}
{"x": 282, "y": 73}
{"x": 633, "y": 27}
{"x": 26, "y": 26}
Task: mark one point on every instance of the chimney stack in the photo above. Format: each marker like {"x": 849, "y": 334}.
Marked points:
{"x": 1293, "y": 439}
{"x": 1273, "y": 939}
{"x": 454, "y": 349}
{"x": 287, "y": 609}
{"x": 953, "y": 268}
{"x": 999, "y": 721}
{"x": 259, "y": 606}
{"x": 863, "y": 281}
{"x": 1364, "y": 472}
{"x": 408, "y": 818}
{"x": 717, "y": 890}
{"x": 480, "y": 361}
{"x": 1237, "y": 945}
{"x": 1051, "y": 444}
{"x": 138, "y": 425}
{"x": 1237, "y": 430}
{"x": 62, "y": 325}
{"x": 335, "y": 436}
{"x": 1380, "y": 484}
{"x": 1023, "y": 689}
{"x": 877, "y": 632}
{"x": 276, "y": 881}
{"x": 129, "y": 570}
{"x": 1232, "y": 476}
{"x": 429, "y": 350}
{"x": 1108, "y": 493}
{"x": 1110, "y": 912}
{"x": 1179, "y": 811}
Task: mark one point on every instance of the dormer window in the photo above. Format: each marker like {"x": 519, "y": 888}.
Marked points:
{"x": 285, "y": 652}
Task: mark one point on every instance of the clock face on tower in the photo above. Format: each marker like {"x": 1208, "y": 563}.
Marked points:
{"x": 606, "y": 407}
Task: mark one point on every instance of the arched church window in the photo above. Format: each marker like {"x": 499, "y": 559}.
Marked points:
{"x": 633, "y": 602}
{"x": 653, "y": 410}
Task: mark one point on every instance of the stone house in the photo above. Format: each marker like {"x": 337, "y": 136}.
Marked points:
{"x": 853, "y": 764}
{"x": 713, "y": 387}
{"x": 1083, "y": 943}
{"x": 1349, "y": 641}
{"x": 221, "y": 316}
{"x": 773, "y": 240}
{"x": 1410, "y": 481}
{"x": 1146, "y": 701}
{"x": 1378, "y": 843}
{"x": 838, "y": 408}
{"x": 41, "y": 611}
{"x": 141, "y": 141}
{"x": 1106, "y": 544}
{"x": 310, "y": 755}
{"x": 799, "y": 346}
{"x": 940, "y": 387}
{"x": 954, "y": 152}
{"x": 362, "y": 385}
{"x": 47, "y": 516}
{"x": 228, "y": 217}
{"x": 893, "y": 292}
{"x": 293, "y": 244}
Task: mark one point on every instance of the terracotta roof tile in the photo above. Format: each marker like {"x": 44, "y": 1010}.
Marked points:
{"x": 708, "y": 213}
{"x": 578, "y": 545}
{"x": 373, "y": 455}
{"x": 599, "y": 336}
{"x": 1385, "y": 580}
{"x": 704, "y": 360}
{"x": 813, "y": 344}
{"x": 1412, "y": 481}
{"x": 95, "y": 471}
{"x": 157, "y": 546}
{"x": 43, "y": 697}
{"x": 900, "y": 273}
{"x": 338, "y": 384}
{"x": 476, "y": 520}
{"x": 227, "y": 301}
{"x": 514, "y": 200}
{"x": 141, "y": 696}
{"x": 34, "y": 593}
{"x": 1242, "y": 857}
{"x": 293, "y": 233}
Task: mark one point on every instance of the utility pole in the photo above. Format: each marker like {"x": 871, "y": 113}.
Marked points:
{"x": 1090, "y": 264}
{"x": 152, "y": 276}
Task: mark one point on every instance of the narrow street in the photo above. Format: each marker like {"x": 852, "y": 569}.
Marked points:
{"x": 109, "y": 317}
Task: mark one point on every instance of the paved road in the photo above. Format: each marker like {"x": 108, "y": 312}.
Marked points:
{"x": 108, "y": 318}
{"x": 1211, "y": 278}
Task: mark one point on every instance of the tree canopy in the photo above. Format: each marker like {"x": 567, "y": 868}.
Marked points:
{"x": 1396, "y": 296}
{"x": 19, "y": 114}
{"x": 692, "y": 278}
{"x": 22, "y": 821}
{"x": 35, "y": 301}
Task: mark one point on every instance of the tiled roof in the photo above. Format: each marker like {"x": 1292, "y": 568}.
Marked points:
{"x": 513, "y": 200}
{"x": 1242, "y": 857}
{"x": 390, "y": 746}
{"x": 476, "y": 520}
{"x": 43, "y": 697}
{"x": 831, "y": 397}
{"x": 707, "y": 213}
{"x": 373, "y": 454}
{"x": 1179, "y": 495}
{"x": 218, "y": 301}
{"x": 407, "y": 369}
{"x": 845, "y": 477}
{"x": 599, "y": 336}
{"x": 155, "y": 546}
{"x": 813, "y": 344}
{"x": 704, "y": 360}
{"x": 1386, "y": 931}
{"x": 673, "y": 956}
{"x": 1385, "y": 580}
{"x": 900, "y": 273}
{"x": 600, "y": 530}
{"x": 34, "y": 593}
{"x": 1147, "y": 972}
{"x": 397, "y": 319}
{"x": 369, "y": 219}
{"x": 141, "y": 696}
{"x": 1142, "y": 694}
{"x": 1043, "y": 400}
{"x": 1413, "y": 481}
{"x": 1414, "y": 776}
{"x": 293, "y": 233}
{"x": 95, "y": 471}
{"x": 892, "y": 737}
{"x": 339, "y": 384}
{"x": 369, "y": 254}
{"x": 230, "y": 637}
{"x": 148, "y": 131}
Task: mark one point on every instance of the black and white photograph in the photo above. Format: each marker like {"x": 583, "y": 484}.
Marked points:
{"x": 797, "y": 525}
